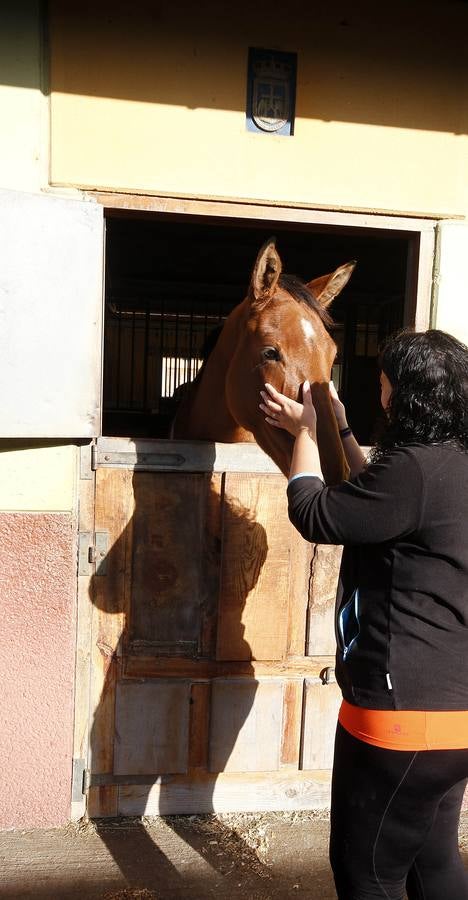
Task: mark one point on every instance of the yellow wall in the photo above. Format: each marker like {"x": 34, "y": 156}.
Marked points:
{"x": 35, "y": 478}
{"x": 152, "y": 99}
{"x": 146, "y": 98}
{"x": 23, "y": 104}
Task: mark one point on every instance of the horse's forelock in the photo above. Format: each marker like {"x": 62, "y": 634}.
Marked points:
{"x": 299, "y": 290}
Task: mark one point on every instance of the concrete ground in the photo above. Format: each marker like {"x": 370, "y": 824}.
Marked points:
{"x": 254, "y": 857}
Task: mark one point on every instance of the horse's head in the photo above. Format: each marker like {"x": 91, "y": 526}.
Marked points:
{"x": 283, "y": 339}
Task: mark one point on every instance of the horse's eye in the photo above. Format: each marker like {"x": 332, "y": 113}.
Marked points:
{"x": 270, "y": 353}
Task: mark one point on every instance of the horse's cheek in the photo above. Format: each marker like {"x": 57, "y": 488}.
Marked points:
{"x": 240, "y": 408}
{"x": 242, "y": 398}
{"x": 232, "y": 398}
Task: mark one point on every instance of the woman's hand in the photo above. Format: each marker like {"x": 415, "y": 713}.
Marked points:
{"x": 282, "y": 412}
{"x": 338, "y": 407}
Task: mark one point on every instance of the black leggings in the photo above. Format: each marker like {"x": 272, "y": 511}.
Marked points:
{"x": 394, "y": 822}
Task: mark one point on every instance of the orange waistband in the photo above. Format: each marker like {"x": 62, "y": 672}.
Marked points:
{"x": 406, "y": 729}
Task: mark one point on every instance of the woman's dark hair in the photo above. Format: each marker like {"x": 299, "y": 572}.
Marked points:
{"x": 428, "y": 372}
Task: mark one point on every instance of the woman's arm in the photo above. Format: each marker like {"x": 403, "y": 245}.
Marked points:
{"x": 305, "y": 456}
{"x": 352, "y": 451}
{"x": 301, "y": 421}
{"x": 382, "y": 503}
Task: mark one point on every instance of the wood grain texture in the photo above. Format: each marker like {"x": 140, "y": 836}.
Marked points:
{"x": 114, "y": 508}
{"x": 167, "y": 562}
{"x": 200, "y": 697}
{"x": 301, "y": 553}
{"x": 292, "y": 722}
{"x": 86, "y": 488}
{"x": 210, "y": 564}
{"x": 204, "y": 669}
{"x": 254, "y": 590}
{"x": 321, "y": 629}
{"x": 207, "y": 595}
{"x": 82, "y": 683}
{"x": 151, "y": 727}
{"x": 321, "y": 705}
{"x": 103, "y": 802}
{"x": 307, "y": 213}
{"x": 245, "y": 725}
{"x": 284, "y": 790}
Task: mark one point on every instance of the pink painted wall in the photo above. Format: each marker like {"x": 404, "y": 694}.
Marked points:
{"x": 37, "y": 644}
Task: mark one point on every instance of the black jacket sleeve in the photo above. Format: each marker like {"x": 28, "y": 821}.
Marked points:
{"x": 382, "y": 503}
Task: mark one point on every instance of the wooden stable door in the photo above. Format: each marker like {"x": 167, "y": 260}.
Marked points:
{"x": 212, "y": 621}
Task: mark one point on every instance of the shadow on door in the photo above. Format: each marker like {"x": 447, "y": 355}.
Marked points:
{"x": 172, "y": 675}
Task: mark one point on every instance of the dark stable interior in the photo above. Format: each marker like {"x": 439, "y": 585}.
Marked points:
{"x": 171, "y": 282}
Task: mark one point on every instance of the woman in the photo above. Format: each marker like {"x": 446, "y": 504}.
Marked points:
{"x": 401, "y": 757}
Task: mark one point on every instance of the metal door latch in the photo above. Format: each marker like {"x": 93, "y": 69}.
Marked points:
{"x": 92, "y": 552}
{"x": 327, "y": 675}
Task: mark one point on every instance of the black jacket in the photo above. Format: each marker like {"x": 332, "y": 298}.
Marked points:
{"x": 402, "y": 602}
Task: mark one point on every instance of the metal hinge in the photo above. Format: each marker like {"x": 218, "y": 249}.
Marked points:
{"x": 108, "y": 779}
{"x": 79, "y": 779}
{"x": 83, "y": 779}
{"x": 92, "y": 552}
{"x": 87, "y": 461}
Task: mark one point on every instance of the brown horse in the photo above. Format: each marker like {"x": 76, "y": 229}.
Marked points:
{"x": 278, "y": 334}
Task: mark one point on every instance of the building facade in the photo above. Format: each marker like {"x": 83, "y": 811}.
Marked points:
{"x": 132, "y": 127}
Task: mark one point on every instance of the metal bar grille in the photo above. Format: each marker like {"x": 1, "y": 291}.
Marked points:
{"x": 153, "y": 346}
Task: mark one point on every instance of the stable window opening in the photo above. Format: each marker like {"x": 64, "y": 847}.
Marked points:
{"x": 171, "y": 282}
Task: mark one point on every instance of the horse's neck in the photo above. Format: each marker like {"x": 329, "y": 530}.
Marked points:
{"x": 210, "y": 418}
{"x": 204, "y": 414}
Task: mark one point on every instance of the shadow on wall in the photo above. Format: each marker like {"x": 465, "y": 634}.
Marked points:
{"x": 160, "y": 732}
{"x": 401, "y": 67}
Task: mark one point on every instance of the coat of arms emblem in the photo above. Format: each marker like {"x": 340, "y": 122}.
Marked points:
{"x": 272, "y": 76}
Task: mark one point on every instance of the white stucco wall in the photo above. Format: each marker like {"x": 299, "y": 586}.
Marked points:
{"x": 451, "y": 279}
{"x": 24, "y": 106}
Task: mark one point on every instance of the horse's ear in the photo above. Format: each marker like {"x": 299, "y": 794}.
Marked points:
{"x": 326, "y": 288}
{"x": 266, "y": 273}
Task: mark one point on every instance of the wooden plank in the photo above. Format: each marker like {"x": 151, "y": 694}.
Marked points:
{"x": 81, "y": 723}
{"x": 245, "y": 725}
{"x": 104, "y": 676}
{"x": 151, "y": 727}
{"x": 271, "y": 210}
{"x": 284, "y": 790}
{"x": 199, "y": 725}
{"x": 210, "y": 563}
{"x": 168, "y": 567}
{"x": 292, "y": 722}
{"x": 321, "y": 629}
{"x": 103, "y": 802}
{"x": 83, "y": 643}
{"x": 205, "y": 669}
{"x": 301, "y": 553}
{"x": 254, "y": 590}
{"x": 114, "y": 507}
{"x": 321, "y": 705}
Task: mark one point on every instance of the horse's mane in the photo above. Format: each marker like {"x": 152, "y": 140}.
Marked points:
{"x": 299, "y": 290}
